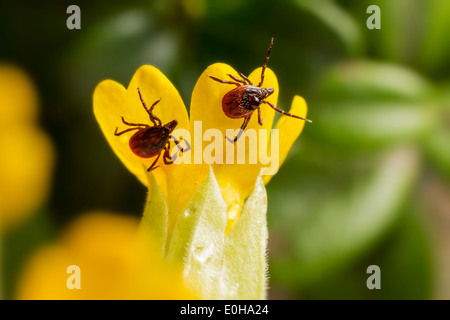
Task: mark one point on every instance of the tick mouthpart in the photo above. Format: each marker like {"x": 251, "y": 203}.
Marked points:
{"x": 268, "y": 91}
{"x": 171, "y": 125}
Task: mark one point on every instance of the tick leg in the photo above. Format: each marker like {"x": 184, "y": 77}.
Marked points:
{"x": 166, "y": 157}
{"x": 153, "y": 118}
{"x": 237, "y": 80}
{"x": 134, "y": 124}
{"x": 284, "y": 112}
{"x": 154, "y": 162}
{"x": 246, "y": 120}
{"x": 260, "y": 120}
{"x": 225, "y": 81}
{"x": 245, "y": 78}
{"x": 124, "y": 131}
{"x": 265, "y": 63}
{"x": 178, "y": 142}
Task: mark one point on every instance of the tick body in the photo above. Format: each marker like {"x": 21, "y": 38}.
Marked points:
{"x": 151, "y": 141}
{"x": 243, "y": 100}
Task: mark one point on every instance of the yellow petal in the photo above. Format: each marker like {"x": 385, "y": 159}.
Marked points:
{"x": 27, "y": 153}
{"x": 114, "y": 262}
{"x": 236, "y": 180}
{"x": 25, "y": 172}
{"x": 18, "y": 97}
{"x": 154, "y": 85}
{"x": 206, "y": 102}
{"x": 289, "y": 130}
{"x": 112, "y": 101}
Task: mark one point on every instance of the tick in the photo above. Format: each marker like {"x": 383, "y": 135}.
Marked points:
{"x": 243, "y": 100}
{"x": 150, "y": 141}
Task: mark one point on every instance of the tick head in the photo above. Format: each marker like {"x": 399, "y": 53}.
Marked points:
{"x": 171, "y": 125}
{"x": 268, "y": 91}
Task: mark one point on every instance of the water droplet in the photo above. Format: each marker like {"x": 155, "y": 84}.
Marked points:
{"x": 203, "y": 254}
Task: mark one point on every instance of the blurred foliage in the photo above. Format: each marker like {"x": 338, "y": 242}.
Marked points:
{"x": 351, "y": 191}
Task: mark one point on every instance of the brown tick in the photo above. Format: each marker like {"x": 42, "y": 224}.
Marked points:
{"x": 242, "y": 101}
{"x": 150, "y": 141}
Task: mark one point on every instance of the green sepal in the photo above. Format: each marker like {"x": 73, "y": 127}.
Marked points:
{"x": 244, "y": 273}
{"x": 155, "y": 216}
{"x": 198, "y": 239}
{"x": 215, "y": 265}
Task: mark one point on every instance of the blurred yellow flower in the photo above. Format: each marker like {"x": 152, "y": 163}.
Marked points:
{"x": 115, "y": 261}
{"x": 26, "y": 153}
{"x": 208, "y": 217}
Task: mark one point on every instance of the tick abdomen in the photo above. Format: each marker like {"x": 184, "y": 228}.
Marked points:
{"x": 242, "y": 101}
{"x": 148, "y": 142}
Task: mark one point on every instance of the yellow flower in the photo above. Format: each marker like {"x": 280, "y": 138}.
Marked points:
{"x": 211, "y": 219}
{"x": 112, "y": 101}
{"x": 26, "y": 159}
{"x": 238, "y": 180}
{"x": 114, "y": 260}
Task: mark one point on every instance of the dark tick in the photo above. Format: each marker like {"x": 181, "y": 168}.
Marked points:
{"x": 242, "y": 101}
{"x": 150, "y": 141}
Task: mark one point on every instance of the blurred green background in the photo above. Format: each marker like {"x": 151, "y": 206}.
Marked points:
{"x": 368, "y": 183}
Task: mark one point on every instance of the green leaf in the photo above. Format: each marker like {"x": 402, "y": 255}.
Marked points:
{"x": 438, "y": 141}
{"x": 399, "y": 38}
{"x": 364, "y": 104}
{"x": 436, "y": 44}
{"x": 365, "y": 80}
{"x": 245, "y": 254}
{"x": 405, "y": 261}
{"x": 115, "y": 46}
{"x": 333, "y": 219}
{"x": 438, "y": 150}
{"x": 374, "y": 123}
{"x": 337, "y": 19}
